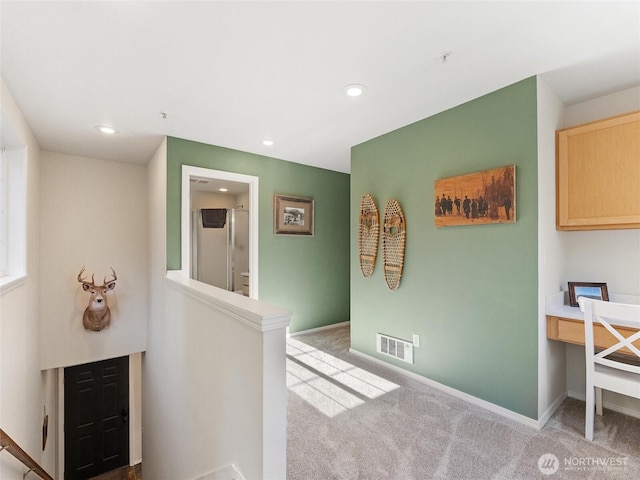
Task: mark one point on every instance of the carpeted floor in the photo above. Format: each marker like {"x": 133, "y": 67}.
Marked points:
{"x": 351, "y": 419}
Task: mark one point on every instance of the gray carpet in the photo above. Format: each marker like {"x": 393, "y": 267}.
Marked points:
{"x": 351, "y": 419}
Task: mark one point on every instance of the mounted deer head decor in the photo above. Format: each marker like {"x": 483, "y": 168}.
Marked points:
{"x": 97, "y": 315}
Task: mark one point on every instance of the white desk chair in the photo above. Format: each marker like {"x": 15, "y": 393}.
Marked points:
{"x": 609, "y": 373}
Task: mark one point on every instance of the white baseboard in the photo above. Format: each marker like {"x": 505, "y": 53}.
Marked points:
{"x": 504, "y": 412}
{"x": 632, "y": 412}
{"x": 319, "y": 329}
{"x": 230, "y": 472}
{"x": 544, "y": 418}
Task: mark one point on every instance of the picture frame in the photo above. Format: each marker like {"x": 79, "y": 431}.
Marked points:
{"x": 594, "y": 290}
{"x": 293, "y": 215}
{"x": 478, "y": 198}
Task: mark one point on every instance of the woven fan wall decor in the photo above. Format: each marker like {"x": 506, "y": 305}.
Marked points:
{"x": 368, "y": 235}
{"x": 393, "y": 241}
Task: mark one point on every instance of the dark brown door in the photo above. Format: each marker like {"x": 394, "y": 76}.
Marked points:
{"x": 96, "y": 418}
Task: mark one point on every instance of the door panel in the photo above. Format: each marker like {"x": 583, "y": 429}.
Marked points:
{"x": 96, "y": 399}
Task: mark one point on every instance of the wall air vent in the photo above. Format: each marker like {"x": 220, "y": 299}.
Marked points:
{"x": 394, "y": 347}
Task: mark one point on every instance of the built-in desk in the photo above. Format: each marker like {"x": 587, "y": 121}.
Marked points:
{"x": 566, "y": 324}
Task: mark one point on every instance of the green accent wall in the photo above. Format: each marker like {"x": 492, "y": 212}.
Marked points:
{"x": 470, "y": 292}
{"x": 307, "y": 275}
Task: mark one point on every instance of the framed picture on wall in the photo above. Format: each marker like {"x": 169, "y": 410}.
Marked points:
{"x": 292, "y": 215}
{"x": 596, "y": 291}
{"x": 477, "y": 198}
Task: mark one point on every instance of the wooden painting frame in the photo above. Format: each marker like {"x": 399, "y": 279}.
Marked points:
{"x": 478, "y": 198}
{"x": 293, "y": 215}
{"x": 597, "y": 291}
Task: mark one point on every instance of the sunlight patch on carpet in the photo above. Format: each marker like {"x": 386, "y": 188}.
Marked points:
{"x": 327, "y": 382}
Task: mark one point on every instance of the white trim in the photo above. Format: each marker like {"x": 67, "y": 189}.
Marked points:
{"x": 230, "y": 471}
{"x": 4, "y": 183}
{"x": 544, "y": 418}
{"x": 16, "y": 211}
{"x": 632, "y": 412}
{"x": 60, "y": 421}
{"x": 9, "y": 282}
{"x": 254, "y": 313}
{"x": 189, "y": 171}
{"x": 135, "y": 408}
{"x": 318, "y": 329}
{"x": 504, "y": 412}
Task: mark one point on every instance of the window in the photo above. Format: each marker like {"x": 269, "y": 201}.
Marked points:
{"x": 3, "y": 213}
{"x": 13, "y": 202}
{"x": 13, "y": 217}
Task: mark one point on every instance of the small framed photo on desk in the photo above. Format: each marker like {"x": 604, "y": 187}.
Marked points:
{"x": 596, "y": 291}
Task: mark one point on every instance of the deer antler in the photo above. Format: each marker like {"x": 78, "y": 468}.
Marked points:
{"x": 113, "y": 274}
{"x": 82, "y": 280}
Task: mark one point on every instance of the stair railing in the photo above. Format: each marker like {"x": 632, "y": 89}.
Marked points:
{"x": 8, "y": 444}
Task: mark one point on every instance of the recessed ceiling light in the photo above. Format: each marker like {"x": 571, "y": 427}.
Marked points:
{"x": 355, "y": 90}
{"x": 223, "y": 189}
{"x": 106, "y": 129}
{"x": 268, "y": 143}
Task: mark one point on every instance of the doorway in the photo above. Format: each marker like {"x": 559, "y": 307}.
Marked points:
{"x": 96, "y": 413}
{"x": 241, "y": 201}
{"x": 219, "y": 242}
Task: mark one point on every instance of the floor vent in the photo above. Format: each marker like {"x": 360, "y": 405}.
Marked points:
{"x": 394, "y": 347}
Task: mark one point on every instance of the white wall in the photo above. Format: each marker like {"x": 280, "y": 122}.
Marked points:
{"x": 153, "y": 363}
{"x": 25, "y": 391}
{"x": 611, "y": 256}
{"x": 551, "y": 355}
{"x": 155, "y": 405}
{"x": 93, "y": 213}
{"x": 214, "y": 390}
{"x": 204, "y": 374}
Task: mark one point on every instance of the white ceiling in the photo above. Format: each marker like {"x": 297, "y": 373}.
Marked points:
{"x": 235, "y": 73}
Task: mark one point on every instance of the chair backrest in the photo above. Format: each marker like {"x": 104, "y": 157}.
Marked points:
{"x": 611, "y": 316}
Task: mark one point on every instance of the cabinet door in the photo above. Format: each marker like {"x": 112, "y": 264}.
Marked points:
{"x": 598, "y": 175}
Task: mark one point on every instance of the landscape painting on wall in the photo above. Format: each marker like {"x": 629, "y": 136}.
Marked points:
{"x": 476, "y": 198}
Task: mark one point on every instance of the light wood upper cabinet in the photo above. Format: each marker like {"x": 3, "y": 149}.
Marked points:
{"x": 598, "y": 174}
